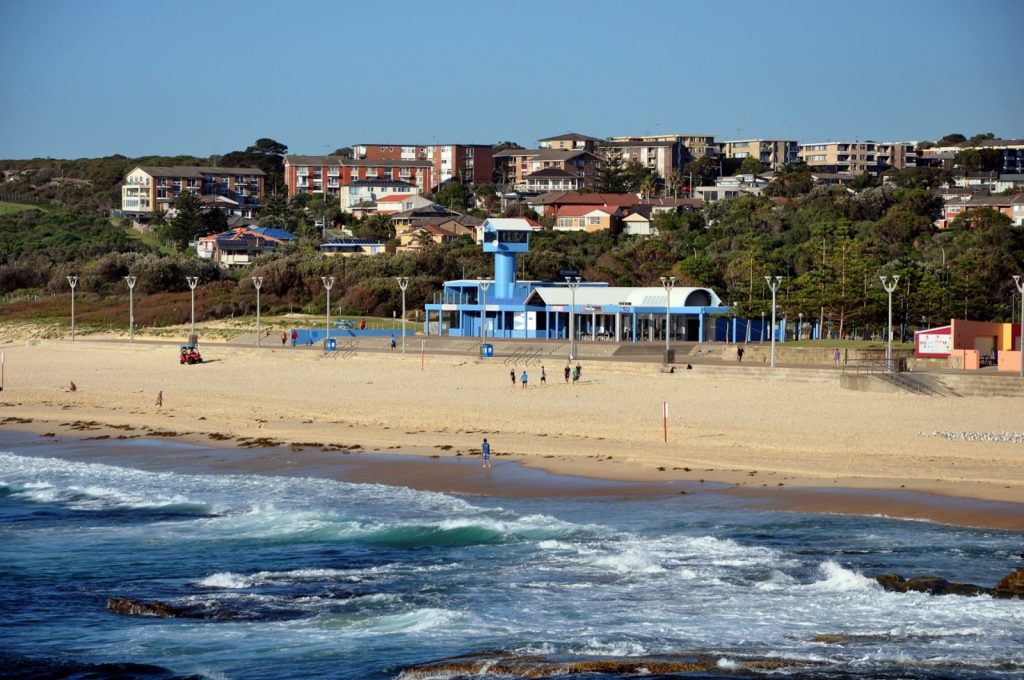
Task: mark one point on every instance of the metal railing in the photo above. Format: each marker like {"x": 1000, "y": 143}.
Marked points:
{"x": 885, "y": 370}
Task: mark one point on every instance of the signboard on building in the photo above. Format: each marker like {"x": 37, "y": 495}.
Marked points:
{"x": 591, "y": 308}
{"x": 935, "y": 342}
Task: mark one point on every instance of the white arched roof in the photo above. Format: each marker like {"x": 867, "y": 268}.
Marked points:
{"x": 603, "y": 296}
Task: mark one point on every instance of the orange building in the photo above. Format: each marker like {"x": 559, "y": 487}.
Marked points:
{"x": 974, "y": 343}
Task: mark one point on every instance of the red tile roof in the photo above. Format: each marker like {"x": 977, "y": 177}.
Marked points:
{"x": 581, "y": 210}
{"x": 394, "y": 198}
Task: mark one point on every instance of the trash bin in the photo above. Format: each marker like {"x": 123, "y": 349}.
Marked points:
{"x": 486, "y": 350}
{"x": 330, "y": 344}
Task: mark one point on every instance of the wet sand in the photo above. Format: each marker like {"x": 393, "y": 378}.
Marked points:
{"x": 787, "y": 445}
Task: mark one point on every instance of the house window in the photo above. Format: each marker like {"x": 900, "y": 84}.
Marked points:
{"x": 594, "y": 221}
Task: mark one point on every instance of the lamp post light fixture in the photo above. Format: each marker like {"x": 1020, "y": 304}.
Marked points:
{"x": 73, "y": 281}
{"x": 668, "y": 283}
{"x": 193, "y": 281}
{"x": 889, "y": 288}
{"x": 1018, "y": 280}
{"x": 773, "y": 283}
{"x": 131, "y": 307}
{"x": 328, "y": 283}
{"x": 573, "y": 282}
{"x": 484, "y": 285}
{"x": 257, "y": 281}
{"x": 403, "y": 283}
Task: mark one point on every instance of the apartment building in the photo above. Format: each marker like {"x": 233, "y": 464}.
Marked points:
{"x": 516, "y": 165}
{"x": 468, "y": 163}
{"x": 237, "y": 191}
{"x": 856, "y": 158}
{"x": 571, "y": 141}
{"x": 775, "y": 153}
{"x": 660, "y": 157}
{"x": 1012, "y": 151}
{"x": 320, "y": 174}
{"x": 694, "y": 146}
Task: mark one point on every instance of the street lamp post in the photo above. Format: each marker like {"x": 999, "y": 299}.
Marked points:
{"x": 403, "y": 283}
{"x": 889, "y": 288}
{"x": 328, "y": 283}
{"x": 257, "y": 281}
{"x": 193, "y": 281}
{"x": 667, "y": 282}
{"x": 1018, "y": 280}
{"x": 773, "y": 283}
{"x": 73, "y": 281}
{"x": 131, "y": 307}
{"x": 800, "y": 326}
{"x": 484, "y": 285}
{"x": 573, "y": 282}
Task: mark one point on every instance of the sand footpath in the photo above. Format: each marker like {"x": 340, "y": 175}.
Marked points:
{"x": 723, "y": 426}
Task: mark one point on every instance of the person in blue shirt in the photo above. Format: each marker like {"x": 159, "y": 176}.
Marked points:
{"x": 485, "y": 453}
{"x": 523, "y": 378}
{"x": 393, "y": 343}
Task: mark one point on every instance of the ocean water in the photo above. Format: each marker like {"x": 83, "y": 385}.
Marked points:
{"x": 327, "y": 579}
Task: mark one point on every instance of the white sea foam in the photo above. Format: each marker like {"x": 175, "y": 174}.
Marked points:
{"x": 596, "y": 647}
{"x": 836, "y": 578}
{"x": 225, "y": 580}
{"x": 418, "y": 621}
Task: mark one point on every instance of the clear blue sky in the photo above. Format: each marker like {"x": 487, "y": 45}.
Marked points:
{"x": 82, "y": 79}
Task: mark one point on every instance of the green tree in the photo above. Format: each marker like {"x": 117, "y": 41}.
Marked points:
{"x": 751, "y": 166}
{"x": 187, "y": 223}
{"x": 454, "y": 196}
{"x": 951, "y": 140}
{"x": 377, "y": 227}
{"x": 704, "y": 170}
{"x": 611, "y": 172}
{"x": 635, "y": 174}
{"x": 979, "y": 160}
{"x": 981, "y": 137}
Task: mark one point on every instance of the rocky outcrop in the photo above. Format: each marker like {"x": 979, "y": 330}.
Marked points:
{"x": 130, "y": 607}
{"x": 933, "y": 585}
{"x": 1009, "y": 587}
{"x": 500, "y": 664}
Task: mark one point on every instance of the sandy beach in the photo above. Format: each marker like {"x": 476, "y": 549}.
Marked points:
{"x": 773, "y": 441}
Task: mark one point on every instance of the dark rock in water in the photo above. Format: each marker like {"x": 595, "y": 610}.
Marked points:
{"x": 130, "y": 607}
{"x": 501, "y": 664}
{"x": 933, "y": 585}
{"x": 1011, "y": 585}
{"x": 14, "y": 667}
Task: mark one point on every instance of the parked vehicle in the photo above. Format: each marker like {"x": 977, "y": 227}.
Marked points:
{"x": 190, "y": 355}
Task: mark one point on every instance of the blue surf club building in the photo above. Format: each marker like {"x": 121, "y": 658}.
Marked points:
{"x": 540, "y": 309}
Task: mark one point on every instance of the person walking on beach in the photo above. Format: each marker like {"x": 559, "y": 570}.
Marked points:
{"x": 576, "y": 374}
{"x": 836, "y": 358}
{"x": 393, "y": 343}
{"x": 160, "y": 399}
{"x": 739, "y": 355}
{"x": 485, "y": 453}
{"x": 543, "y": 376}
{"x": 579, "y": 371}
{"x": 567, "y": 371}
{"x": 362, "y": 324}
{"x": 295, "y": 337}
{"x": 523, "y": 378}
{"x": 512, "y": 374}
{"x": 284, "y": 338}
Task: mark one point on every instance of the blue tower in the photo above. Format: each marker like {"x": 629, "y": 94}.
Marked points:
{"x": 505, "y": 238}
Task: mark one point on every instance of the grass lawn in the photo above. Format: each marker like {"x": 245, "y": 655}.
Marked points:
{"x": 6, "y": 207}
